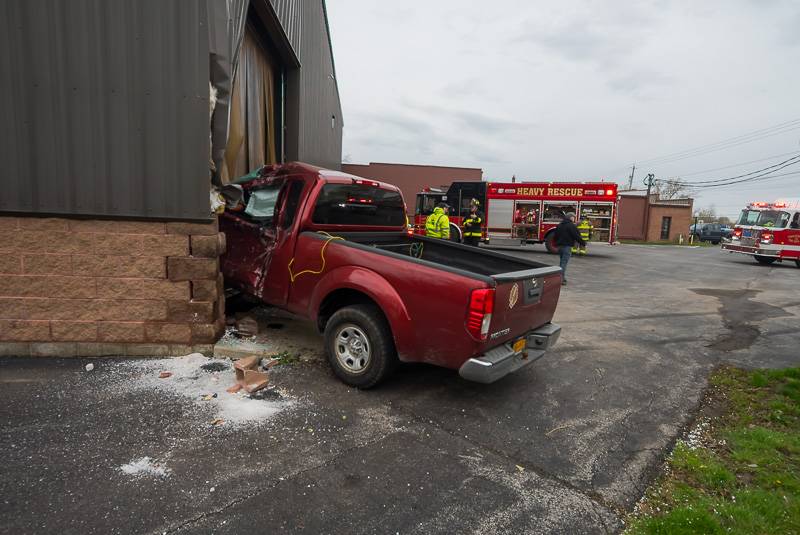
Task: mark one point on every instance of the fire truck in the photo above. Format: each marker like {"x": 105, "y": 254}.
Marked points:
{"x": 768, "y": 232}
{"x": 521, "y": 213}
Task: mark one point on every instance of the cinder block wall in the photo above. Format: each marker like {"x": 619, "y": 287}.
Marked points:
{"x": 72, "y": 287}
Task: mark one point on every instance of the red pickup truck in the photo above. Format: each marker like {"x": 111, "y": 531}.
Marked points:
{"x": 334, "y": 248}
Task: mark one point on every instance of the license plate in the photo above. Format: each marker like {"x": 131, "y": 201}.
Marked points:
{"x": 519, "y": 345}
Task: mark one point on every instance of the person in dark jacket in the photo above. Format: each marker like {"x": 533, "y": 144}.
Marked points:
{"x": 566, "y": 236}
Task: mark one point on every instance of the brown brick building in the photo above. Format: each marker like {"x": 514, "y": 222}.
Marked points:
{"x": 656, "y": 220}
{"x": 410, "y": 178}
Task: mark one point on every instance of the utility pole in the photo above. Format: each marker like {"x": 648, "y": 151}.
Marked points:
{"x": 648, "y": 181}
{"x": 630, "y": 178}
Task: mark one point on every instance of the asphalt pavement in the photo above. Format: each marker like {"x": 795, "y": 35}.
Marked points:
{"x": 565, "y": 446}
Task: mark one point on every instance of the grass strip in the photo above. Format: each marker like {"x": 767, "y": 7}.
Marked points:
{"x": 738, "y": 469}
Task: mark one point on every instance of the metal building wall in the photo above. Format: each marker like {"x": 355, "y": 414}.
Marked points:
{"x": 320, "y": 137}
{"x": 288, "y": 12}
{"x": 104, "y": 108}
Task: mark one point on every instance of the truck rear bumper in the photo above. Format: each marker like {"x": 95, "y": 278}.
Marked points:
{"x": 502, "y": 360}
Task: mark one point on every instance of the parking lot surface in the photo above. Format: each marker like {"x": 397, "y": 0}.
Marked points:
{"x": 565, "y": 446}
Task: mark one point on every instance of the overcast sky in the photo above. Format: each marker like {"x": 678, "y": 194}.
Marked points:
{"x": 573, "y": 90}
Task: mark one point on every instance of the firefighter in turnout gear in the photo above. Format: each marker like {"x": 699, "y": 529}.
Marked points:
{"x": 438, "y": 224}
{"x": 472, "y": 224}
{"x": 585, "y": 229}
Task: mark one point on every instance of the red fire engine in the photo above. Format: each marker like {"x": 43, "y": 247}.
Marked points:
{"x": 524, "y": 212}
{"x": 768, "y": 232}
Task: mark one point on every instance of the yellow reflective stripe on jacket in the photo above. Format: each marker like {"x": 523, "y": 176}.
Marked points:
{"x": 469, "y": 226}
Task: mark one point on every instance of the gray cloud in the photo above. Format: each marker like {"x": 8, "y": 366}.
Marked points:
{"x": 576, "y": 89}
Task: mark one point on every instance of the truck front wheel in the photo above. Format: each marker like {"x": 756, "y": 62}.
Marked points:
{"x": 359, "y": 346}
{"x": 766, "y": 260}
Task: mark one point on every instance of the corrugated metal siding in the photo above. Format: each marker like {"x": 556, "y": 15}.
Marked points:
{"x": 104, "y": 108}
{"x": 289, "y": 14}
{"x": 320, "y": 140}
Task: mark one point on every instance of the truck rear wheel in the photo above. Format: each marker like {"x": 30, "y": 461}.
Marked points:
{"x": 550, "y": 243}
{"x": 359, "y": 346}
{"x": 766, "y": 260}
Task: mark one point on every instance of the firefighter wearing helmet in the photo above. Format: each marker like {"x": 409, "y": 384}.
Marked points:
{"x": 585, "y": 229}
{"x": 472, "y": 224}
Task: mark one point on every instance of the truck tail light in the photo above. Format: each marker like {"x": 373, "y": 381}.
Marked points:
{"x": 766, "y": 237}
{"x": 479, "y": 315}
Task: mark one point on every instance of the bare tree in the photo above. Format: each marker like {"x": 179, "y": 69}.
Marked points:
{"x": 707, "y": 214}
{"x": 671, "y": 189}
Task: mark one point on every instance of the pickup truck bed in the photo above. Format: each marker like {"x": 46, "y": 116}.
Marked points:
{"x": 383, "y": 293}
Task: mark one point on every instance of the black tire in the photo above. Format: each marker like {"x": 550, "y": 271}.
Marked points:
{"x": 797, "y": 262}
{"x": 716, "y": 242}
{"x": 765, "y": 260}
{"x": 550, "y": 243}
{"x": 455, "y": 233}
{"x": 382, "y": 360}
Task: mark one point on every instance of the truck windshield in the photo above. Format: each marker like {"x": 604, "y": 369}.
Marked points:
{"x": 748, "y": 217}
{"x": 358, "y": 204}
{"x": 773, "y": 218}
{"x": 764, "y": 218}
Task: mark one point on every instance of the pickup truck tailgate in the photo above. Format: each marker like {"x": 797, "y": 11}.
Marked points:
{"x": 524, "y": 300}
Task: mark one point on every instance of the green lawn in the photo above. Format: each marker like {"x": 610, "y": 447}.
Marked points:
{"x": 738, "y": 471}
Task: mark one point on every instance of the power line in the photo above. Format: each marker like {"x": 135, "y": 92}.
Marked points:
{"x": 735, "y": 165}
{"x": 760, "y": 178}
{"x": 780, "y": 165}
{"x": 726, "y": 143}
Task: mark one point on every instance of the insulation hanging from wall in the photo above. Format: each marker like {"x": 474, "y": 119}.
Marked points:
{"x": 251, "y": 133}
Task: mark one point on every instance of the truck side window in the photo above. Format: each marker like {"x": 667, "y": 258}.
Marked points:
{"x": 292, "y": 202}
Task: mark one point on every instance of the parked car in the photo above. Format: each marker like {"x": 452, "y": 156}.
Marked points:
{"x": 334, "y": 248}
{"x": 708, "y": 232}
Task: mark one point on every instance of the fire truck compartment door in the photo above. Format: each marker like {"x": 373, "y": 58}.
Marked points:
{"x": 500, "y": 215}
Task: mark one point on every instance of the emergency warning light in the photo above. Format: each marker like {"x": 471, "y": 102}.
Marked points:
{"x": 366, "y": 183}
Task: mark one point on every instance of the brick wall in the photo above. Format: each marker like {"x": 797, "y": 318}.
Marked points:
{"x": 681, "y": 219}
{"x": 109, "y": 288}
